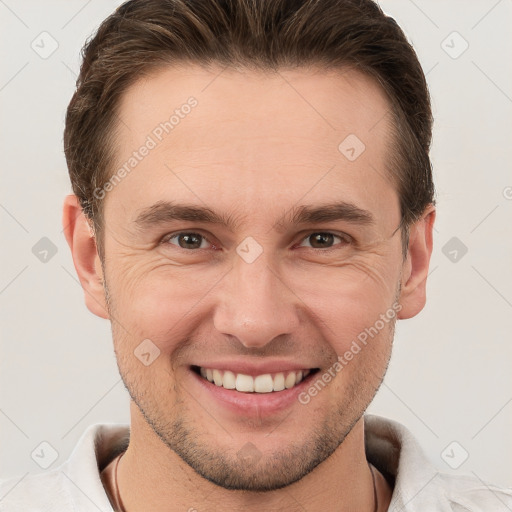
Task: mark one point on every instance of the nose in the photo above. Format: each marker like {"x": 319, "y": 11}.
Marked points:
{"x": 255, "y": 304}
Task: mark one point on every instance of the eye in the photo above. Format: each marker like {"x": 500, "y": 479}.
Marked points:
{"x": 324, "y": 240}
{"x": 187, "y": 240}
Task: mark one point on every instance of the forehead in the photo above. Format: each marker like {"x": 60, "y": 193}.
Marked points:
{"x": 330, "y": 102}
{"x": 255, "y": 138}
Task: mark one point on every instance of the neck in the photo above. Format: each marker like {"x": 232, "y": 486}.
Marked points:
{"x": 153, "y": 477}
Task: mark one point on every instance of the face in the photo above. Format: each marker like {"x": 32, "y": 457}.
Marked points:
{"x": 248, "y": 248}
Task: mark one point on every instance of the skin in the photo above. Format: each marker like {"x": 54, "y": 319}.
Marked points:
{"x": 255, "y": 146}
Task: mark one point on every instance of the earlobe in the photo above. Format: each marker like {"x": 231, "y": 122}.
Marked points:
{"x": 416, "y": 265}
{"x": 81, "y": 241}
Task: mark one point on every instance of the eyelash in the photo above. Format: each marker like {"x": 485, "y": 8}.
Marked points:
{"x": 345, "y": 239}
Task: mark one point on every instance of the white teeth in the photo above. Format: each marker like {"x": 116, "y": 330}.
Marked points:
{"x": 265, "y": 383}
{"x": 290, "y": 380}
{"x": 217, "y": 377}
{"x": 279, "y": 382}
{"x": 229, "y": 380}
{"x": 244, "y": 383}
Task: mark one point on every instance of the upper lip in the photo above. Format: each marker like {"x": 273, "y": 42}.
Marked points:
{"x": 255, "y": 368}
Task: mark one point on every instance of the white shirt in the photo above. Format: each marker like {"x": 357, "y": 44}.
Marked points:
{"x": 75, "y": 486}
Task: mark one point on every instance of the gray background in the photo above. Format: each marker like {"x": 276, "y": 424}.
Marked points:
{"x": 450, "y": 376}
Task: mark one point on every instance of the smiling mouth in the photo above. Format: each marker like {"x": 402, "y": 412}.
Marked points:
{"x": 264, "y": 383}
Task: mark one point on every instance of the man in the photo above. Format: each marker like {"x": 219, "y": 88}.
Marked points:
{"x": 253, "y": 210}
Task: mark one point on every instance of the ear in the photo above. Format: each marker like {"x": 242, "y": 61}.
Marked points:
{"x": 82, "y": 243}
{"x": 416, "y": 264}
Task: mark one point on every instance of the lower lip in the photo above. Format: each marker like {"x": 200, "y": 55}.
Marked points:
{"x": 253, "y": 404}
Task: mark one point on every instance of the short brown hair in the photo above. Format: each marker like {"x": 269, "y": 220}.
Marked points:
{"x": 257, "y": 34}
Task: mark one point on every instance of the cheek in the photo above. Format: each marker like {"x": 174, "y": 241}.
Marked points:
{"x": 357, "y": 328}
{"x": 363, "y": 353}
{"x": 349, "y": 298}
{"x": 161, "y": 301}
{"x": 157, "y": 300}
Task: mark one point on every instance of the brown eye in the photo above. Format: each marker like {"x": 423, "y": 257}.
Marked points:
{"x": 188, "y": 240}
{"x": 324, "y": 240}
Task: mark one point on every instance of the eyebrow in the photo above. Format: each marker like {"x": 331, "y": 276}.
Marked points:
{"x": 167, "y": 211}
